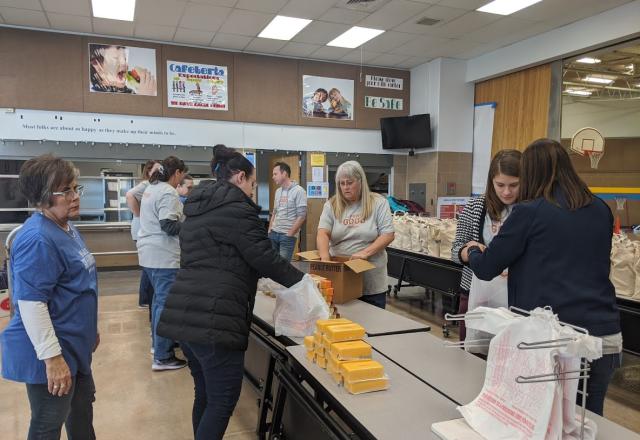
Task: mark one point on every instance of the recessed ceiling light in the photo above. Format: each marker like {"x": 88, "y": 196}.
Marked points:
{"x": 506, "y": 7}
{"x": 588, "y": 60}
{"x": 354, "y": 37}
{"x": 599, "y": 79}
{"x": 283, "y": 28}
{"x": 114, "y": 9}
{"x": 578, "y": 92}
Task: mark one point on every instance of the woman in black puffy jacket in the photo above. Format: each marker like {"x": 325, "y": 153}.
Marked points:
{"x": 224, "y": 250}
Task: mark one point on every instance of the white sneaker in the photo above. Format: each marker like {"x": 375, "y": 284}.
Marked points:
{"x": 152, "y": 350}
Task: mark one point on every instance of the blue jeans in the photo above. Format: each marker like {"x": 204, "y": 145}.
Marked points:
{"x": 145, "y": 291}
{"x": 217, "y": 378}
{"x": 75, "y": 411}
{"x": 282, "y": 244}
{"x": 162, "y": 280}
{"x": 378, "y": 299}
{"x": 599, "y": 377}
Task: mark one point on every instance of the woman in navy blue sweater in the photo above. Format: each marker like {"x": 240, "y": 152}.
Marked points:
{"x": 557, "y": 246}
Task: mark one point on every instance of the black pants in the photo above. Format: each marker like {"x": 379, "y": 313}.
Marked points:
{"x": 217, "y": 378}
{"x": 378, "y": 299}
{"x": 599, "y": 377}
{"x": 75, "y": 411}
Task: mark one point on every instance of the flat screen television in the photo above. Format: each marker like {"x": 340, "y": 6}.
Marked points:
{"x": 406, "y": 132}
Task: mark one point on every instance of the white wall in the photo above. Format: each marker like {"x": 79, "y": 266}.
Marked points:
{"x": 612, "y": 118}
{"x": 439, "y": 88}
{"x": 609, "y": 27}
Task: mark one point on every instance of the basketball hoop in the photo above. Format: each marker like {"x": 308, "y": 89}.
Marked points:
{"x": 594, "y": 157}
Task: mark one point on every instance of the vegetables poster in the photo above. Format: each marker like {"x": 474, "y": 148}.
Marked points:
{"x": 197, "y": 86}
{"x": 122, "y": 69}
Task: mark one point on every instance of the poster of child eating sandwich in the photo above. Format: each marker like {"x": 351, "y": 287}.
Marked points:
{"x": 122, "y": 69}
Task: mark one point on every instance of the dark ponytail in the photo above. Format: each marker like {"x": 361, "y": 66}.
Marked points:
{"x": 168, "y": 168}
{"x": 227, "y": 162}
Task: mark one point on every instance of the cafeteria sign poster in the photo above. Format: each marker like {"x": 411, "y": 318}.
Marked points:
{"x": 122, "y": 69}
{"x": 327, "y": 97}
{"x": 197, "y": 86}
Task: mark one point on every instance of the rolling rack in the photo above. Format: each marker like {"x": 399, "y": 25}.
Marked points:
{"x": 435, "y": 275}
{"x": 555, "y": 376}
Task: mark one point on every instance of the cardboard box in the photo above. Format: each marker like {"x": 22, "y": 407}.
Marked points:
{"x": 345, "y": 274}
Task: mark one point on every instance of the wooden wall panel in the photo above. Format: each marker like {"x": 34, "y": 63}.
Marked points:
{"x": 329, "y": 70}
{"x": 267, "y": 89}
{"x": 370, "y": 118}
{"x": 204, "y": 56}
{"x": 40, "y": 70}
{"x": 522, "y": 109}
{"x": 120, "y": 103}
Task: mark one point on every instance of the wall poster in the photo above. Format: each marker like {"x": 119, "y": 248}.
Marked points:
{"x": 327, "y": 97}
{"x": 383, "y": 103}
{"x": 197, "y": 86}
{"x": 122, "y": 69}
{"x": 383, "y": 82}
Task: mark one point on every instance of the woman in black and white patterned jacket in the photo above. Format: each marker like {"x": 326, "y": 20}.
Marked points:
{"x": 483, "y": 215}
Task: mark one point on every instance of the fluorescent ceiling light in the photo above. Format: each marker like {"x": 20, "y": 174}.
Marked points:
{"x": 588, "y": 60}
{"x": 578, "y": 92}
{"x": 114, "y": 9}
{"x": 506, "y": 7}
{"x": 354, "y": 37}
{"x": 283, "y": 28}
{"x": 599, "y": 79}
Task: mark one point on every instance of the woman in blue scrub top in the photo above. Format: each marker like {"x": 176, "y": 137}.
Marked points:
{"x": 50, "y": 339}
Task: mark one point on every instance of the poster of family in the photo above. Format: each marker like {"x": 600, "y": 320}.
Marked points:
{"x": 197, "y": 86}
{"x": 327, "y": 97}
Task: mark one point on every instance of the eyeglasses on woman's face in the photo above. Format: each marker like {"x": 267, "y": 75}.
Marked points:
{"x": 70, "y": 193}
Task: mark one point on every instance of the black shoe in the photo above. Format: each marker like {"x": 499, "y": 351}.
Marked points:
{"x": 173, "y": 363}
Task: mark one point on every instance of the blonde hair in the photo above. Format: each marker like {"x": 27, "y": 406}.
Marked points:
{"x": 352, "y": 169}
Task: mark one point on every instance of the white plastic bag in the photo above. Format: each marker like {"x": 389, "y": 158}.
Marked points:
{"x": 267, "y": 285}
{"x": 491, "y": 294}
{"x": 298, "y": 308}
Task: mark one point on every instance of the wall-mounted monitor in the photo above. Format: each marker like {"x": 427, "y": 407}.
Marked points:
{"x": 406, "y": 132}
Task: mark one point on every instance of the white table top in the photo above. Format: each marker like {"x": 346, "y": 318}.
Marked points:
{"x": 406, "y": 410}
{"x": 457, "y": 374}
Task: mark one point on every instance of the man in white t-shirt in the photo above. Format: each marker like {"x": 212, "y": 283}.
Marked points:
{"x": 289, "y": 211}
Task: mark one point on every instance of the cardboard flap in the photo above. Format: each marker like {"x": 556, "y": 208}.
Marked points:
{"x": 309, "y": 255}
{"x": 359, "y": 266}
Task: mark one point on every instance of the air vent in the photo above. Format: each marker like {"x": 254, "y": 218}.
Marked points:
{"x": 357, "y": 2}
{"x": 426, "y": 21}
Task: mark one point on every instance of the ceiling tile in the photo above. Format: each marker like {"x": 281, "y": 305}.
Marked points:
{"x": 413, "y": 62}
{"x": 311, "y": 9}
{"x": 393, "y": 13}
{"x": 422, "y": 45}
{"x": 72, "y": 7}
{"x": 22, "y": 4}
{"x": 523, "y": 34}
{"x": 369, "y": 7}
{"x": 499, "y": 29}
{"x": 320, "y": 32}
{"x": 356, "y": 56}
{"x": 226, "y": 3}
{"x": 442, "y": 13}
{"x": 192, "y": 36}
{"x": 272, "y": 6}
{"x": 388, "y": 59}
{"x": 265, "y": 45}
{"x": 204, "y": 17}
{"x": 330, "y": 53}
{"x": 229, "y": 41}
{"x": 24, "y": 17}
{"x": 246, "y": 22}
{"x": 299, "y": 49}
{"x": 454, "y": 48}
{"x": 479, "y": 50}
{"x": 72, "y": 23}
{"x": 112, "y": 27}
{"x": 345, "y": 16}
{"x": 388, "y": 41}
{"x": 154, "y": 31}
{"x": 469, "y": 5}
{"x": 163, "y": 12}
{"x": 466, "y": 24}
{"x": 567, "y": 10}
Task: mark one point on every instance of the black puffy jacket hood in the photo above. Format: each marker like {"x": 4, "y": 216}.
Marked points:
{"x": 211, "y": 195}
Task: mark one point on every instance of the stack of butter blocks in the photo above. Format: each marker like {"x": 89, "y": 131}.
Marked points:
{"x": 337, "y": 346}
{"x": 325, "y": 286}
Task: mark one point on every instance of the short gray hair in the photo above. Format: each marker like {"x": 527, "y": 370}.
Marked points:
{"x": 44, "y": 175}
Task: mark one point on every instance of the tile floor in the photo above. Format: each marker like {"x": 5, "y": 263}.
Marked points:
{"x": 134, "y": 402}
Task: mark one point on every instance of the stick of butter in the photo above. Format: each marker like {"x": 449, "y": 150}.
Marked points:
{"x": 367, "y": 386}
{"x": 351, "y": 350}
{"x": 322, "y": 324}
{"x": 344, "y": 332}
{"x": 309, "y": 342}
{"x": 321, "y": 361}
{"x": 354, "y": 371}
